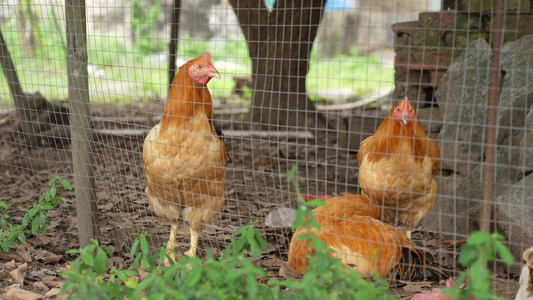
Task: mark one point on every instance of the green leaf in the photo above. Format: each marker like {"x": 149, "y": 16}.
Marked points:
{"x": 242, "y": 229}
{"x": 259, "y": 238}
{"x": 504, "y": 252}
{"x": 255, "y": 248}
{"x": 121, "y": 275}
{"x": 478, "y": 238}
{"x": 65, "y": 184}
{"x": 47, "y": 207}
{"x": 21, "y": 236}
{"x": 100, "y": 263}
{"x": 251, "y": 286}
{"x": 34, "y": 225}
{"x": 273, "y": 282}
{"x": 53, "y": 190}
{"x": 194, "y": 276}
{"x": 299, "y": 221}
{"x": 250, "y": 236}
{"x": 90, "y": 248}
{"x": 3, "y": 205}
{"x": 467, "y": 255}
{"x": 87, "y": 258}
{"x": 145, "y": 249}
{"x": 72, "y": 251}
{"x": 134, "y": 246}
{"x": 239, "y": 244}
{"x": 291, "y": 284}
{"x": 213, "y": 275}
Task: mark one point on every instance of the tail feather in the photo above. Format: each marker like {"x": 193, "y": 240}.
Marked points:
{"x": 221, "y": 137}
{"x": 416, "y": 265}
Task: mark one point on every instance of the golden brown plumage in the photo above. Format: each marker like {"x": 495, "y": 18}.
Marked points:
{"x": 397, "y": 165}
{"x": 349, "y": 225}
{"x": 183, "y": 157}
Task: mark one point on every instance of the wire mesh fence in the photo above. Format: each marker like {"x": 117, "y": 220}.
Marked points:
{"x": 301, "y": 83}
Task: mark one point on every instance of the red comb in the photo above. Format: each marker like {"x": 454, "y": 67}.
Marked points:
{"x": 207, "y": 55}
{"x": 313, "y": 197}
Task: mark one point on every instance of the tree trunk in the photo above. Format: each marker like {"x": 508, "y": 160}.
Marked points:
{"x": 280, "y": 44}
{"x": 173, "y": 47}
{"x": 24, "y": 107}
{"x": 80, "y": 120}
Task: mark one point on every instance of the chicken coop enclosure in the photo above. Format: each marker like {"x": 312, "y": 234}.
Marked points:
{"x": 302, "y": 83}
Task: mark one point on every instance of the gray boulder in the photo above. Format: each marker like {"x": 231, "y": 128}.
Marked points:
{"x": 526, "y": 146}
{"x": 514, "y": 215}
{"x": 457, "y": 209}
{"x": 462, "y": 97}
{"x": 516, "y": 95}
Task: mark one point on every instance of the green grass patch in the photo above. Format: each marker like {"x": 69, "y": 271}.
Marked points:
{"x": 124, "y": 74}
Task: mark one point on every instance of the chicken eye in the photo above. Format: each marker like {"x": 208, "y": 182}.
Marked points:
{"x": 199, "y": 66}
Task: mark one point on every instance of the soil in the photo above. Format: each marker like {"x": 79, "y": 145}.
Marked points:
{"x": 255, "y": 186}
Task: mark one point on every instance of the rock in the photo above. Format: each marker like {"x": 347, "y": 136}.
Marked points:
{"x": 513, "y": 211}
{"x": 526, "y": 146}
{"x": 431, "y": 119}
{"x": 462, "y": 97}
{"x": 457, "y": 210}
{"x": 529, "y": 119}
{"x": 516, "y": 96}
{"x": 281, "y": 218}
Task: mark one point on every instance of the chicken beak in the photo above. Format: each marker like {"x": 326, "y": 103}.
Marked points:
{"x": 214, "y": 74}
{"x": 405, "y": 111}
{"x": 405, "y": 119}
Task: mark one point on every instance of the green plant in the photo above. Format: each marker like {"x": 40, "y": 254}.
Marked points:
{"x": 35, "y": 219}
{"x": 231, "y": 275}
{"x": 481, "y": 248}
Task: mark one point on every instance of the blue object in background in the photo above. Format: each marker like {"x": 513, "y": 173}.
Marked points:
{"x": 330, "y": 5}
{"x": 338, "y": 5}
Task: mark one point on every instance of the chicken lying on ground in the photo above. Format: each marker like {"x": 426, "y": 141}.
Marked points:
{"x": 183, "y": 156}
{"x": 526, "y": 278}
{"x": 350, "y": 226}
{"x": 397, "y": 165}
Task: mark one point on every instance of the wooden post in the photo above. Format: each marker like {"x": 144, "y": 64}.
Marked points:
{"x": 173, "y": 47}
{"x": 490, "y": 152}
{"x": 80, "y": 121}
{"x": 23, "y": 107}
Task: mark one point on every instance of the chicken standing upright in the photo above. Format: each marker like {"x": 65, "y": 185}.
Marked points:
{"x": 397, "y": 165}
{"x": 183, "y": 156}
{"x": 349, "y": 225}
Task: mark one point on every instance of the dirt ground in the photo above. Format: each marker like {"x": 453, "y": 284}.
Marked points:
{"x": 255, "y": 186}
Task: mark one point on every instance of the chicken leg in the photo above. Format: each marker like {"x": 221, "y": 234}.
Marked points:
{"x": 194, "y": 243}
{"x": 171, "y": 245}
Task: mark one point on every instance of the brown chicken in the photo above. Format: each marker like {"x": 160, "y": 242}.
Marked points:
{"x": 350, "y": 226}
{"x": 183, "y": 156}
{"x": 397, "y": 165}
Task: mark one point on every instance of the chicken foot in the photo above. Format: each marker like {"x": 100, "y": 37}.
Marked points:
{"x": 194, "y": 243}
{"x": 171, "y": 245}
